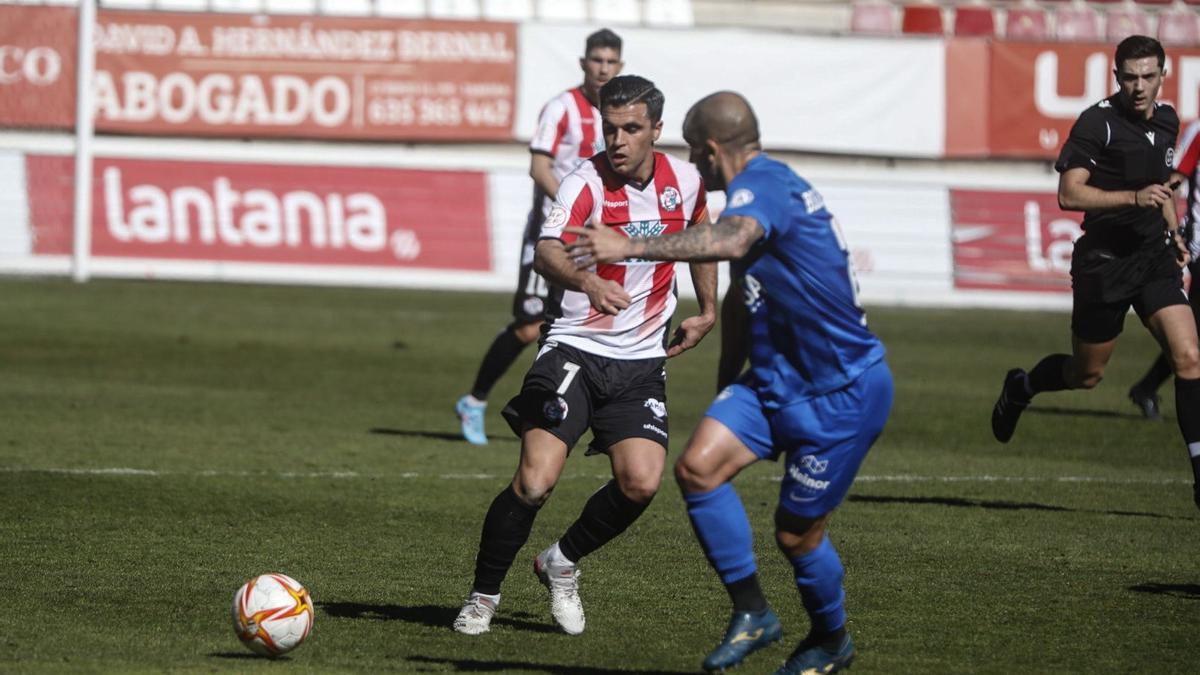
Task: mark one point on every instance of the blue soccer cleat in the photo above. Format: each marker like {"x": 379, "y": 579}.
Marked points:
{"x": 471, "y": 416}
{"x": 810, "y": 659}
{"x": 748, "y": 632}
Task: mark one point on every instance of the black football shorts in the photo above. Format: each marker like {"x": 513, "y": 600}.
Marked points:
{"x": 568, "y": 390}
{"x": 1105, "y": 286}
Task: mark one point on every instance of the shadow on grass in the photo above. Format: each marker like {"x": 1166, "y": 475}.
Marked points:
{"x": 1087, "y": 412}
{"x": 1000, "y": 505}
{"x": 245, "y": 656}
{"x": 1185, "y": 591}
{"x": 484, "y": 666}
{"x": 426, "y": 615}
{"x": 439, "y": 435}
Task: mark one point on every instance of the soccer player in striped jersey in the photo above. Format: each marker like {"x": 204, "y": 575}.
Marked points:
{"x": 568, "y": 132}
{"x": 1144, "y": 393}
{"x": 602, "y": 358}
{"x": 818, "y": 390}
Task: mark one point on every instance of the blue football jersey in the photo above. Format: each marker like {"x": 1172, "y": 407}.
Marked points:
{"x": 808, "y": 334}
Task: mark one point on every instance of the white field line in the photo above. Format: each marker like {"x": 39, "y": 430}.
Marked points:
{"x": 342, "y": 475}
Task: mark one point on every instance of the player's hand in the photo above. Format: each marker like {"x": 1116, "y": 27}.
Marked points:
{"x": 1182, "y": 255}
{"x": 606, "y": 295}
{"x": 1154, "y": 196}
{"x": 689, "y": 334}
{"x": 596, "y": 245}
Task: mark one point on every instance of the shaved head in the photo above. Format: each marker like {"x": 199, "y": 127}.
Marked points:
{"x": 725, "y": 117}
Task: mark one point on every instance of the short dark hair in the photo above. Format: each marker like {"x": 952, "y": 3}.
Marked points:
{"x": 602, "y": 38}
{"x": 1139, "y": 47}
{"x": 629, "y": 89}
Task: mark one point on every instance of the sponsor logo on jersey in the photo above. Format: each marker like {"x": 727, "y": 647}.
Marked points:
{"x": 644, "y": 228}
{"x": 670, "y": 198}
{"x": 657, "y": 407}
{"x": 610, "y": 204}
{"x": 813, "y": 464}
{"x": 740, "y": 197}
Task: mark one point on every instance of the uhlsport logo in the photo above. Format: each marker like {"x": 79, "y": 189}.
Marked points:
{"x": 657, "y": 407}
{"x": 670, "y": 198}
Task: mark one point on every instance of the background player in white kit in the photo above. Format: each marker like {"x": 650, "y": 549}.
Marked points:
{"x": 601, "y": 362}
{"x": 568, "y": 133}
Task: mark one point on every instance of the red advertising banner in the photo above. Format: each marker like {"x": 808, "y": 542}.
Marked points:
{"x": 37, "y": 66}
{"x": 304, "y": 76}
{"x": 1012, "y": 241}
{"x": 311, "y": 215}
{"x": 1036, "y": 91}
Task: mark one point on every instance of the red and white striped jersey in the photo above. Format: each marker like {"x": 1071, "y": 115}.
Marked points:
{"x": 568, "y": 130}
{"x": 673, "y": 200}
{"x": 1188, "y": 163}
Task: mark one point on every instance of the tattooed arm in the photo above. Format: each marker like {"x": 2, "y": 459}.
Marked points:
{"x": 727, "y": 239}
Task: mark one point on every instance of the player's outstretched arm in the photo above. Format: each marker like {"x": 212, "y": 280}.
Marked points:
{"x": 693, "y": 329}
{"x": 727, "y": 239}
{"x": 550, "y": 260}
{"x": 1074, "y": 194}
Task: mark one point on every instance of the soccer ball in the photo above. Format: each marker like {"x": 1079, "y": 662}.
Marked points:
{"x": 272, "y": 614}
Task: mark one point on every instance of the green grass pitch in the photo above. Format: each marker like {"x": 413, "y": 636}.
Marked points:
{"x": 161, "y": 443}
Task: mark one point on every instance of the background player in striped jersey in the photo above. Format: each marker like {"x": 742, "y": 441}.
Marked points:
{"x": 818, "y": 389}
{"x": 568, "y": 132}
{"x": 601, "y": 362}
{"x": 1144, "y": 393}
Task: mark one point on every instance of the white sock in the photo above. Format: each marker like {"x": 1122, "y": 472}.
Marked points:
{"x": 557, "y": 558}
{"x": 494, "y": 599}
{"x": 1194, "y": 450}
{"x": 474, "y": 401}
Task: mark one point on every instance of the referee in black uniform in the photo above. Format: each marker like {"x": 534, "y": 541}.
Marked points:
{"x": 1116, "y": 168}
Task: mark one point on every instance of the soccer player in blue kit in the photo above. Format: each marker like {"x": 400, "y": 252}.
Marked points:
{"x": 818, "y": 390}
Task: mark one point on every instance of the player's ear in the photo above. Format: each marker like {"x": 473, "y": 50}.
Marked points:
{"x": 583, "y": 63}
{"x": 620, "y": 67}
{"x": 657, "y": 130}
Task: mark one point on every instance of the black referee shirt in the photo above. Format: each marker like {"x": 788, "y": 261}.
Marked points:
{"x": 1123, "y": 151}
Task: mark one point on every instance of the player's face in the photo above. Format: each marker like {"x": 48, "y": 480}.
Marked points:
{"x": 629, "y": 138}
{"x": 599, "y": 66}
{"x": 1139, "y": 81}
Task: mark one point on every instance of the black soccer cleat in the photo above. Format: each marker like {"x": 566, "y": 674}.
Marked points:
{"x": 1012, "y": 402}
{"x": 1146, "y": 402}
{"x": 1196, "y": 494}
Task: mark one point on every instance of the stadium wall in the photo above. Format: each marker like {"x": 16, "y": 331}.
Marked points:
{"x": 412, "y": 171}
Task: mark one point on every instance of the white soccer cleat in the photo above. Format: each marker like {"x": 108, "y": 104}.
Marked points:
{"x": 476, "y": 615}
{"x": 563, "y": 582}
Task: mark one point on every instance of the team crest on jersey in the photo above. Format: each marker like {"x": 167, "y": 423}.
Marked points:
{"x": 644, "y": 228}
{"x": 555, "y": 409}
{"x": 1170, "y": 156}
{"x": 670, "y": 198}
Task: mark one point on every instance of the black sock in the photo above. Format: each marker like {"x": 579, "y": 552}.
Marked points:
{"x": 1154, "y": 378}
{"x": 830, "y": 641}
{"x": 746, "y": 594}
{"x": 607, "y": 513}
{"x": 1047, "y": 375}
{"x": 504, "y": 350}
{"x": 505, "y": 529}
{"x": 1187, "y": 411}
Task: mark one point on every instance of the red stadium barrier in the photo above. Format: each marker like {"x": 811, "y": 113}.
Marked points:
{"x": 300, "y": 215}
{"x": 37, "y": 66}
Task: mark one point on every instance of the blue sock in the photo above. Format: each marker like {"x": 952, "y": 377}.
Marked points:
{"x": 819, "y": 578}
{"x": 723, "y": 529}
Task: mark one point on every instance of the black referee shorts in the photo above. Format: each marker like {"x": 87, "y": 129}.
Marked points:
{"x": 1105, "y": 286}
{"x": 568, "y": 390}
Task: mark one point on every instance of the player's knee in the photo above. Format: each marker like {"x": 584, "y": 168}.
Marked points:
{"x": 640, "y": 488}
{"x": 527, "y": 332}
{"x": 1087, "y": 377}
{"x": 692, "y": 478}
{"x": 532, "y": 490}
{"x": 1187, "y": 362}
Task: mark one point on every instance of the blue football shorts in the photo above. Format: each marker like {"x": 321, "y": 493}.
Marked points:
{"x": 824, "y": 439}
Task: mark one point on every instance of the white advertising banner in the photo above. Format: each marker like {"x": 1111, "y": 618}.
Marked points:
{"x": 868, "y": 96}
